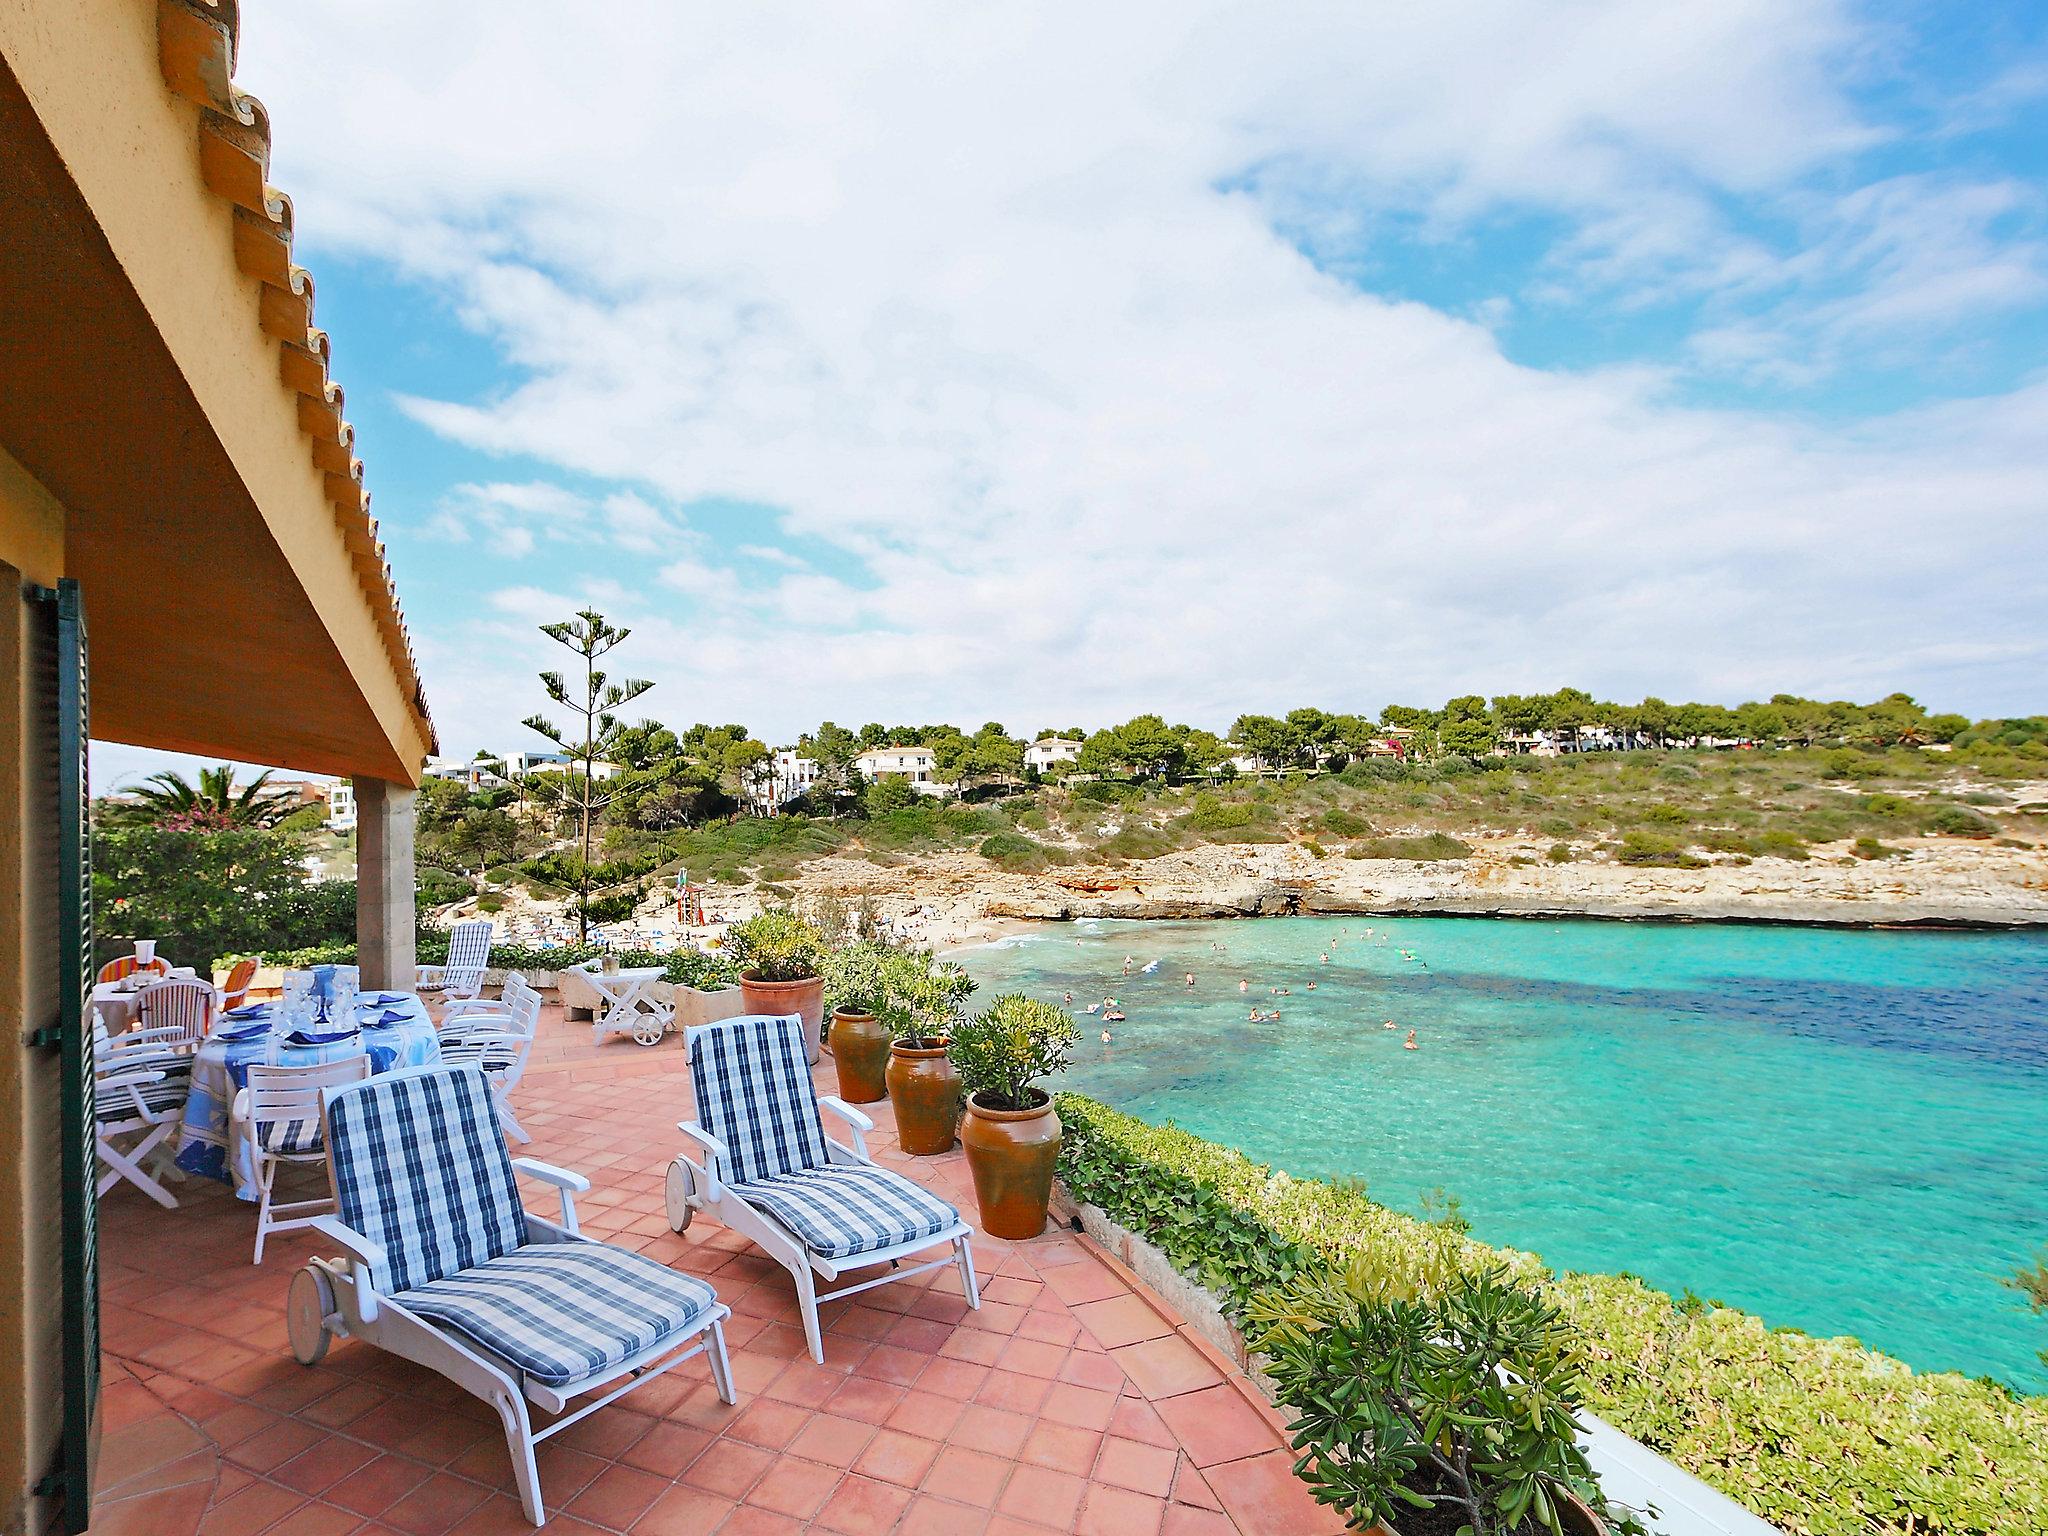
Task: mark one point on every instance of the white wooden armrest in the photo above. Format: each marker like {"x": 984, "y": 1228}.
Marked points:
{"x": 856, "y": 1122}
{"x": 473, "y": 1007}
{"x": 716, "y": 1152}
{"x": 570, "y": 1184}
{"x": 364, "y": 1253}
{"x": 125, "y": 1077}
{"x": 144, "y": 1036}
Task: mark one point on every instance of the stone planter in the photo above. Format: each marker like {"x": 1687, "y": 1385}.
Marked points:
{"x": 699, "y": 1005}
{"x": 860, "y": 1055}
{"x": 925, "y": 1091}
{"x": 806, "y": 997}
{"x": 1011, "y": 1153}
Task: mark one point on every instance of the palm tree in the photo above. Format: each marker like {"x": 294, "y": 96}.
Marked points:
{"x": 170, "y": 800}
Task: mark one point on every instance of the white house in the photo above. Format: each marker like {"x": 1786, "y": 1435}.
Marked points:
{"x": 341, "y": 806}
{"x": 472, "y": 772}
{"x": 557, "y": 762}
{"x": 1049, "y": 753}
{"x": 789, "y": 775}
{"x": 916, "y": 764}
{"x": 912, "y": 763}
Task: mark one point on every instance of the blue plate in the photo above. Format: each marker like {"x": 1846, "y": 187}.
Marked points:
{"x": 249, "y": 1011}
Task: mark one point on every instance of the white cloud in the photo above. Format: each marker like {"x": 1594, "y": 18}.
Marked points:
{"x": 980, "y": 297}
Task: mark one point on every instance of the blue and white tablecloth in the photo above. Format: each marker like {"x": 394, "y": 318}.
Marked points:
{"x": 393, "y": 1028}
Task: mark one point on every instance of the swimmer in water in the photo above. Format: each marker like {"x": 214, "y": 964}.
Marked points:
{"x": 1243, "y": 986}
{"x": 1326, "y": 959}
{"x": 1191, "y": 978}
{"x": 1389, "y": 1024}
{"x": 1105, "y": 1037}
{"x": 1409, "y": 1044}
{"x": 1311, "y": 986}
{"x": 1067, "y": 998}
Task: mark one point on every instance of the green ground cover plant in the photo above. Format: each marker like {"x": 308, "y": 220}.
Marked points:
{"x": 1819, "y": 1436}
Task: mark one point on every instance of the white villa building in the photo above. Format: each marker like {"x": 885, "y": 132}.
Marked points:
{"x": 1050, "y": 753}
{"x": 524, "y": 763}
{"x": 472, "y": 772}
{"x": 917, "y": 764}
{"x": 788, "y": 776}
{"x": 341, "y": 806}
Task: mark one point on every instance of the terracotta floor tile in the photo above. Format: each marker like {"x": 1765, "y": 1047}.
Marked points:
{"x": 315, "y": 1470}
{"x": 683, "y": 1511}
{"x": 1185, "y": 1520}
{"x": 378, "y": 1484}
{"x": 1135, "y": 1465}
{"x": 795, "y": 1487}
{"x": 995, "y": 1430}
{"x": 434, "y": 1507}
{"x": 1080, "y": 1407}
{"x": 1217, "y": 1424}
{"x": 1263, "y": 1497}
{"x": 1061, "y": 1447}
{"x": 618, "y": 1496}
{"x": 895, "y": 1457}
{"x": 862, "y": 1506}
{"x": 939, "y": 1517}
{"x": 1043, "y": 1495}
{"x": 1119, "y": 1512}
{"x": 667, "y": 1449}
{"x": 728, "y": 1467}
{"x": 968, "y": 1477}
{"x": 1166, "y": 1367}
{"x": 833, "y": 1440}
{"x": 1122, "y": 1320}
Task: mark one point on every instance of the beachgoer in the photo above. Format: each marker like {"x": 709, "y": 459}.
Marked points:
{"x": 1067, "y": 998}
{"x": 1105, "y": 1037}
{"x": 1326, "y": 959}
{"x": 1243, "y": 985}
{"x": 1409, "y": 1044}
{"x": 1191, "y": 978}
{"x": 1389, "y": 1024}
{"x": 1311, "y": 986}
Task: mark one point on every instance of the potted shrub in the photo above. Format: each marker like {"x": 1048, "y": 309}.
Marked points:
{"x": 1012, "y": 1135}
{"x": 703, "y": 988}
{"x": 779, "y": 957}
{"x": 866, "y": 1015}
{"x": 924, "y": 1089}
{"x": 1445, "y": 1404}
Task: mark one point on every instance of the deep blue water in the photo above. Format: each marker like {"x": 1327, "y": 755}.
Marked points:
{"x": 1842, "y": 1131}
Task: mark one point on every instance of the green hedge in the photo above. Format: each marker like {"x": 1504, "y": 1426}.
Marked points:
{"x": 433, "y": 950}
{"x": 1819, "y": 1436}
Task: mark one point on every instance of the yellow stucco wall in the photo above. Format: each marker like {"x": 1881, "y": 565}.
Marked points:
{"x": 31, "y": 552}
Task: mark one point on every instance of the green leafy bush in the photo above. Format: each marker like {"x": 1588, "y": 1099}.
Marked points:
{"x": 200, "y": 894}
{"x": 1955, "y": 821}
{"x": 1458, "y": 1397}
{"x": 1820, "y": 1436}
{"x": 696, "y": 968}
{"x": 1013, "y": 851}
{"x": 1559, "y": 853}
{"x": 1212, "y": 814}
{"x": 1640, "y": 847}
{"x": 1344, "y": 824}
{"x": 1007, "y": 1050}
{"x": 1435, "y": 845}
{"x": 776, "y": 945}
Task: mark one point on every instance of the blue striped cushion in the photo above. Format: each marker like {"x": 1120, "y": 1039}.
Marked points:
{"x": 288, "y": 1138}
{"x": 420, "y": 1166}
{"x": 564, "y": 1311}
{"x": 754, "y": 1093}
{"x": 843, "y": 1209}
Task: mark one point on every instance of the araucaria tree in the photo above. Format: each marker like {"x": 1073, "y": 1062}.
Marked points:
{"x": 593, "y": 730}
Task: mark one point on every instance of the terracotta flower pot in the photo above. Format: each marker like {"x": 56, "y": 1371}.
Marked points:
{"x": 806, "y": 997}
{"x": 1011, "y": 1153}
{"x": 860, "y": 1053}
{"x": 925, "y": 1091}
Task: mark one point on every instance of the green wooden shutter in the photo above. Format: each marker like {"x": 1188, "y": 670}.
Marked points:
{"x": 63, "y": 694}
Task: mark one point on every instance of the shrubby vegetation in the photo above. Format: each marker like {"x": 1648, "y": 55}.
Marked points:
{"x": 1819, "y": 1436}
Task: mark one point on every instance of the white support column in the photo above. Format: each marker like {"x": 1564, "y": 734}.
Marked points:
{"x": 386, "y": 885}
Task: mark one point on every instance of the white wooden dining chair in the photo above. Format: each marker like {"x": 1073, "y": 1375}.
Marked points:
{"x": 499, "y": 1038}
{"x": 136, "y": 1107}
{"x": 277, "y": 1119}
{"x": 184, "y": 1004}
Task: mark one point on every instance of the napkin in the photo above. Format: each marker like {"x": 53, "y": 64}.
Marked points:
{"x": 390, "y": 1016}
{"x": 247, "y": 1032}
{"x": 249, "y": 1011}
{"x": 384, "y": 997}
{"x": 301, "y": 1037}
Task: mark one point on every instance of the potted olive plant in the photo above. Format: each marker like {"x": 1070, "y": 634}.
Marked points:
{"x": 1012, "y": 1135}
{"x": 1446, "y": 1403}
{"x": 780, "y": 956}
{"x": 867, "y": 1012}
{"x": 924, "y": 1089}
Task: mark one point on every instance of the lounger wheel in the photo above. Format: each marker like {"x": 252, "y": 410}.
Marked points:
{"x": 681, "y": 1191}
{"x": 649, "y": 1031}
{"x": 306, "y": 1310}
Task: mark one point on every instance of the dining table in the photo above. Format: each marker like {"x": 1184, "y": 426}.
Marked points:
{"x": 392, "y": 1028}
{"x": 120, "y": 1002}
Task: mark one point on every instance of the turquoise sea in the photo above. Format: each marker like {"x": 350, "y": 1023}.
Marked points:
{"x": 1842, "y": 1131}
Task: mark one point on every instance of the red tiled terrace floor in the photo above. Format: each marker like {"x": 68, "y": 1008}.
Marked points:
{"x": 1070, "y": 1402}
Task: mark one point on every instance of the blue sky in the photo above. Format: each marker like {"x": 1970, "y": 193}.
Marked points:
{"x": 912, "y": 363}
